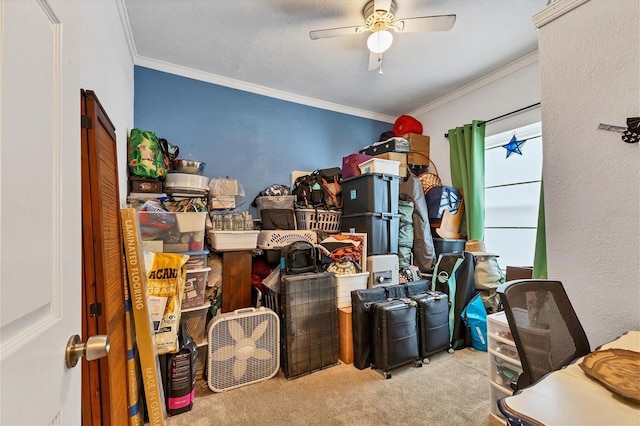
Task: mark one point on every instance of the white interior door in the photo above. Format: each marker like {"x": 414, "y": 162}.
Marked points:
{"x": 40, "y": 212}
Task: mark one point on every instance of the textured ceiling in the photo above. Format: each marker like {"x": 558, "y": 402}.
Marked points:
{"x": 267, "y": 44}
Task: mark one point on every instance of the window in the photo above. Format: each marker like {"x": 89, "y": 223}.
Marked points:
{"x": 512, "y": 195}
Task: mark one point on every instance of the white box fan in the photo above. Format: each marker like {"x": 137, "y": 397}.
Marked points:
{"x": 244, "y": 348}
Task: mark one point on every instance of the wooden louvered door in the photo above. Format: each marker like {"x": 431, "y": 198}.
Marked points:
{"x": 104, "y": 382}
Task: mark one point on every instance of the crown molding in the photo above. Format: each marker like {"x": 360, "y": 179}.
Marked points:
{"x": 510, "y": 68}
{"x": 554, "y": 10}
{"x": 126, "y": 27}
{"x": 257, "y": 89}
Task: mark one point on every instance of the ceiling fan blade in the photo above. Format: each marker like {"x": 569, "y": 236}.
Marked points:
{"x": 374, "y": 61}
{"x": 336, "y": 32}
{"x": 425, "y": 23}
{"x": 381, "y": 5}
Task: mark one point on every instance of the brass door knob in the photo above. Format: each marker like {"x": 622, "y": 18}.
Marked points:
{"x": 96, "y": 347}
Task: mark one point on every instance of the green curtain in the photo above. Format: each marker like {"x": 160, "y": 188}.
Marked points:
{"x": 466, "y": 156}
{"x": 540, "y": 256}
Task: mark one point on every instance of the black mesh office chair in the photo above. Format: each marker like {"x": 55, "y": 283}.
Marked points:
{"x": 545, "y": 328}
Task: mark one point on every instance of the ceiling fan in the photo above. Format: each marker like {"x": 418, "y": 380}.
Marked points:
{"x": 379, "y": 19}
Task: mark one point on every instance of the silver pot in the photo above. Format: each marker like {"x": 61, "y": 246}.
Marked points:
{"x": 193, "y": 167}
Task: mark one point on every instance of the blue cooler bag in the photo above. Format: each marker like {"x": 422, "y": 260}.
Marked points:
{"x": 475, "y": 318}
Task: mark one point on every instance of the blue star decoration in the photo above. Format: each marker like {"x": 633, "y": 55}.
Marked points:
{"x": 513, "y": 146}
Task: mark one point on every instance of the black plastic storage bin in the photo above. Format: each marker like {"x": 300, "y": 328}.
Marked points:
{"x": 382, "y": 230}
{"x": 373, "y": 192}
{"x": 309, "y": 323}
{"x": 442, "y": 245}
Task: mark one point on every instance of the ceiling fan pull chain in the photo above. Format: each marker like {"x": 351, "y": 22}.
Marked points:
{"x": 380, "y": 60}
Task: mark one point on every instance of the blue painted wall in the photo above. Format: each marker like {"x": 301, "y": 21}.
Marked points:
{"x": 253, "y": 138}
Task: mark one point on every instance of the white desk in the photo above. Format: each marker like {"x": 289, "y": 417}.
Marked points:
{"x": 570, "y": 397}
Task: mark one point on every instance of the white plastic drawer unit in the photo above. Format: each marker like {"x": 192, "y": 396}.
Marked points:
{"x": 504, "y": 362}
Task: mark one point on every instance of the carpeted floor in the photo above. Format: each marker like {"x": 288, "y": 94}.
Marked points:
{"x": 452, "y": 390}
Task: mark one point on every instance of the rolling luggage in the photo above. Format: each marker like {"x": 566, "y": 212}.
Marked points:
{"x": 395, "y": 334}
{"x": 433, "y": 323}
{"x": 362, "y": 324}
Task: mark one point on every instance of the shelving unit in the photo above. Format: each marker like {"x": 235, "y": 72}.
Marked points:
{"x": 504, "y": 363}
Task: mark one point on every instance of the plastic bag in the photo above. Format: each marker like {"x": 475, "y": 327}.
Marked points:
{"x": 166, "y": 276}
{"x": 224, "y": 189}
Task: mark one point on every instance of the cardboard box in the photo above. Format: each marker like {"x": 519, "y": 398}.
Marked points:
{"x": 419, "y": 149}
{"x": 418, "y": 158}
{"x": 136, "y": 417}
{"x": 345, "y": 335}
{"x": 222, "y": 202}
{"x": 137, "y": 279}
{"x": 519, "y": 273}
{"x": 396, "y": 156}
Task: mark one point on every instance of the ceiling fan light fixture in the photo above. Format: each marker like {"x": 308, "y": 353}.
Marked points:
{"x": 379, "y": 41}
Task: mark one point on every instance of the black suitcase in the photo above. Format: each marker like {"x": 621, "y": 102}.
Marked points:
{"x": 393, "y": 145}
{"x": 362, "y": 324}
{"x": 433, "y": 323}
{"x": 395, "y": 334}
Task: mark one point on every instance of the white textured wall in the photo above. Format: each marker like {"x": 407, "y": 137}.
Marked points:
{"x": 590, "y": 74}
{"x": 514, "y": 90}
{"x": 107, "y": 69}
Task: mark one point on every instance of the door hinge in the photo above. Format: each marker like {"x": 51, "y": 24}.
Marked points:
{"x": 95, "y": 309}
{"x": 85, "y": 122}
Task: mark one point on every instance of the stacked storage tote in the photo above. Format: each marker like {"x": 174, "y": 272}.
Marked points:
{"x": 183, "y": 232}
{"x": 370, "y": 205}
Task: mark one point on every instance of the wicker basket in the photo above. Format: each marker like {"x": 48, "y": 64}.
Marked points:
{"x": 318, "y": 220}
{"x": 430, "y": 180}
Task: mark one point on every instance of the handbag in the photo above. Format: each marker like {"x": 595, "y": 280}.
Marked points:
{"x": 429, "y": 180}
{"x": 146, "y": 156}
